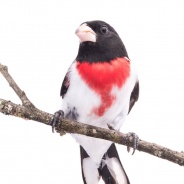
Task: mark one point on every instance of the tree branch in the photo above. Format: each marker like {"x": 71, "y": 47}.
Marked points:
{"x": 21, "y": 94}
{"x": 28, "y": 111}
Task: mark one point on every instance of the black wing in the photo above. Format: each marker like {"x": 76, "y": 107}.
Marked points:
{"x": 65, "y": 85}
{"x": 134, "y": 96}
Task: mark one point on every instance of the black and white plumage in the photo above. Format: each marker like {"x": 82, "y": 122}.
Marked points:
{"x": 100, "y": 88}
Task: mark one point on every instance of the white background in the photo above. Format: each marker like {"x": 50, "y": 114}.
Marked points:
{"x": 37, "y": 43}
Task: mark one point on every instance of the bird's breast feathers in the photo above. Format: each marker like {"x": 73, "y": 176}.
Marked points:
{"x": 102, "y": 77}
{"x": 100, "y": 91}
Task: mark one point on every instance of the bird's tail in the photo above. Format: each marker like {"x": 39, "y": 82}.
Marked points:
{"x": 111, "y": 169}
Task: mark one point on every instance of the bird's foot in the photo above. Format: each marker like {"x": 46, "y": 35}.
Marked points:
{"x": 135, "y": 139}
{"x": 56, "y": 120}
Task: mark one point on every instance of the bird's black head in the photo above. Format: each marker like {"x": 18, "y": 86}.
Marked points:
{"x": 99, "y": 42}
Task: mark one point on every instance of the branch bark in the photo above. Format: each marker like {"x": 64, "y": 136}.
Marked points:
{"x": 21, "y": 94}
{"x": 28, "y": 111}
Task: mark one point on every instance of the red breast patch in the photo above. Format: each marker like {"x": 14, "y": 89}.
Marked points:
{"x": 101, "y": 77}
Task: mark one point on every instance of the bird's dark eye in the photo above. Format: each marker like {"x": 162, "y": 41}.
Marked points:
{"x": 104, "y": 30}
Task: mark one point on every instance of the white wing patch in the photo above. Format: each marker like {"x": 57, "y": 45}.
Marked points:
{"x": 116, "y": 170}
{"x": 90, "y": 170}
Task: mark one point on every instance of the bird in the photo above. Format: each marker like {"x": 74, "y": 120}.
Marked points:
{"x": 100, "y": 88}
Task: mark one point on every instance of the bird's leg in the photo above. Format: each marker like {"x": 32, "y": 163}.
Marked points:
{"x": 56, "y": 119}
{"x": 135, "y": 139}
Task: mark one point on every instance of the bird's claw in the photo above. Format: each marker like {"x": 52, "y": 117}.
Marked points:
{"x": 135, "y": 143}
{"x": 56, "y": 119}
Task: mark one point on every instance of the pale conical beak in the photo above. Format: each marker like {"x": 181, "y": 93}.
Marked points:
{"x": 85, "y": 33}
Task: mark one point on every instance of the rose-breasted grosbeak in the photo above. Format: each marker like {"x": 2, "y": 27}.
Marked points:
{"x": 100, "y": 88}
